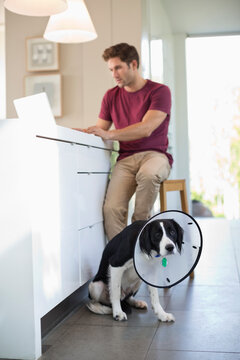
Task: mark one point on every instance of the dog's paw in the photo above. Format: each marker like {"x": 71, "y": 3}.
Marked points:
{"x": 139, "y": 304}
{"x": 166, "y": 317}
{"x": 120, "y": 316}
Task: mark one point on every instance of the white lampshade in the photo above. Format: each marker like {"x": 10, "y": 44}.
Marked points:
{"x": 71, "y": 26}
{"x": 36, "y": 7}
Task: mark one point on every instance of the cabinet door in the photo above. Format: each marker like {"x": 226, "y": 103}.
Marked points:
{"x": 91, "y": 194}
{"x": 56, "y": 184}
{"x": 55, "y": 223}
{"x": 91, "y": 245}
{"x": 56, "y": 269}
{"x": 92, "y": 159}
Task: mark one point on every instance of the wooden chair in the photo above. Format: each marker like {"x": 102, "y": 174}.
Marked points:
{"x": 174, "y": 185}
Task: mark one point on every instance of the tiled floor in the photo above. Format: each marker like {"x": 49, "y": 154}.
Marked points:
{"x": 207, "y": 312}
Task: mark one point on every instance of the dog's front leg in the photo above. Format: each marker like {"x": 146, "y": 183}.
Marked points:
{"x": 157, "y": 308}
{"x": 115, "y": 292}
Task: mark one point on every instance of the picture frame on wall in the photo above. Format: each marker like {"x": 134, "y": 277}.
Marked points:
{"x": 51, "y": 84}
{"x": 41, "y": 54}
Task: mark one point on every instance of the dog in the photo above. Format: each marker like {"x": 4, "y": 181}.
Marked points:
{"x": 117, "y": 281}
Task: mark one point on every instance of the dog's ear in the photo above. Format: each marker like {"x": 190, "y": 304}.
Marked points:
{"x": 144, "y": 240}
{"x": 150, "y": 238}
{"x": 180, "y": 232}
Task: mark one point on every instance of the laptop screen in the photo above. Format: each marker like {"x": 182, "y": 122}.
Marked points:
{"x": 35, "y": 110}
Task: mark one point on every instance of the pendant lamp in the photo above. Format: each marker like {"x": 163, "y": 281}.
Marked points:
{"x": 71, "y": 26}
{"x": 36, "y": 7}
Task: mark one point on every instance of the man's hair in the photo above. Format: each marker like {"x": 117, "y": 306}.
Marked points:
{"x": 126, "y": 53}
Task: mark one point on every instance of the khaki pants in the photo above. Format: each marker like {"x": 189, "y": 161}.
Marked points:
{"x": 141, "y": 173}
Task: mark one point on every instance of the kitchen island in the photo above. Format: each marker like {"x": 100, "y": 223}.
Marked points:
{"x": 52, "y": 187}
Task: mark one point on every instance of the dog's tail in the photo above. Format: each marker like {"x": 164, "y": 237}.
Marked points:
{"x": 98, "y": 308}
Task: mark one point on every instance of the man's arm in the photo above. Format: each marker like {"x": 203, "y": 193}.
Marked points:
{"x": 104, "y": 124}
{"x": 150, "y": 122}
{"x": 101, "y": 124}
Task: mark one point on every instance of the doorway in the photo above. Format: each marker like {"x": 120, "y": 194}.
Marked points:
{"x": 213, "y": 86}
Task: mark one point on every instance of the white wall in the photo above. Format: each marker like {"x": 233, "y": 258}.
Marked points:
{"x": 2, "y": 73}
{"x": 17, "y": 29}
{"x": 182, "y": 143}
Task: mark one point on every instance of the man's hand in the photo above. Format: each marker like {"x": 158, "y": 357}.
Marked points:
{"x": 100, "y": 129}
{"x": 78, "y": 129}
{"x": 95, "y": 130}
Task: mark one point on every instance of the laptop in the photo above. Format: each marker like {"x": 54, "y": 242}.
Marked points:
{"x": 36, "y": 111}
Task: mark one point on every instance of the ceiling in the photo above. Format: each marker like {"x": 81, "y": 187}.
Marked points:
{"x": 203, "y": 16}
{"x": 197, "y": 16}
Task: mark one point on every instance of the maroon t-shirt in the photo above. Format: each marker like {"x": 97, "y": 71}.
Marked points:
{"x": 125, "y": 108}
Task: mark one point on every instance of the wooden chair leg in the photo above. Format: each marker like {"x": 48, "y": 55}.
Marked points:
{"x": 191, "y": 275}
{"x": 184, "y": 201}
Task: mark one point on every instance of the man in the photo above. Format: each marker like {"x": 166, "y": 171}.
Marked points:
{"x": 140, "y": 112}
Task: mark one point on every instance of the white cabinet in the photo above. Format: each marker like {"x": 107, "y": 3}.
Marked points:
{"x": 56, "y": 268}
{"x": 92, "y": 159}
{"x": 91, "y": 192}
{"x": 55, "y": 231}
{"x": 69, "y": 198}
{"x": 92, "y": 179}
{"x": 52, "y": 190}
{"x": 56, "y": 184}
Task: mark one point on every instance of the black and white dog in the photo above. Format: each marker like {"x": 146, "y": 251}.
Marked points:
{"x": 117, "y": 280}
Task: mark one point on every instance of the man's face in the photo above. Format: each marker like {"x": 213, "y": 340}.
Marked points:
{"x": 123, "y": 74}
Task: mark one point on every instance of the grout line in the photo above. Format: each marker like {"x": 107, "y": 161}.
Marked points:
{"x": 148, "y": 349}
{"x": 199, "y": 351}
{"x": 237, "y": 262}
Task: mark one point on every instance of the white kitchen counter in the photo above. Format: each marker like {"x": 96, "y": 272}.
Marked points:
{"x": 52, "y": 186}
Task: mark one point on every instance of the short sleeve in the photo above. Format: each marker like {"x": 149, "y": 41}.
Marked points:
{"x": 161, "y": 99}
{"x": 105, "y": 113}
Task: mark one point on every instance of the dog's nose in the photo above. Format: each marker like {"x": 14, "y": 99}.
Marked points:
{"x": 169, "y": 248}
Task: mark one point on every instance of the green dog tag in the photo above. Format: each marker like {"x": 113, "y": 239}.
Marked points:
{"x": 164, "y": 262}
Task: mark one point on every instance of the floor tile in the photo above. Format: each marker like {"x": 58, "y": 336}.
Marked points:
{"x": 190, "y": 355}
{"x": 214, "y": 276}
{"x": 63, "y": 326}
{"x": 205, "y": 298}
{"x": 200, "y": 331}
{"x": 108, "y": 343}
{"x": 54, "y": 335}
{"x": 236, "y": 247}
{"x": 143, "y": 291}
{"x": 136, "y": 318}
{"x": 215, "y": 227}
{"x": 218, "y": 257}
